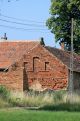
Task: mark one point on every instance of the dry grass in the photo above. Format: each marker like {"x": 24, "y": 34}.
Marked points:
{"x": 4, "y": 103}
{"x": 52, "y": 99}
{"x": 30, "y": 99}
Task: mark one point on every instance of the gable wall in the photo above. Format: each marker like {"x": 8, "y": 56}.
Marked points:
{"x": 42, "y": 68}
{"x": 36, "y": 69}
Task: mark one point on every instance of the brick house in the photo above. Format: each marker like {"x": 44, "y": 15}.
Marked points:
{"x": 29, "y": 65}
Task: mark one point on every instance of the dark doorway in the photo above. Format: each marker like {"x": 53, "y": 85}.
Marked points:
{"x": 25, "y": 79}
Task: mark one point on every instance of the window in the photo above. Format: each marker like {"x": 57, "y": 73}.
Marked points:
{"x": 3, "y": 70}
{"x": 46, "y": 66}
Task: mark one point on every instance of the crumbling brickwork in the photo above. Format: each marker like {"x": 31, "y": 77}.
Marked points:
{"x": 13, "y": 79}
{"x": 40, "y": 65}
{"x": 36, "y": 65}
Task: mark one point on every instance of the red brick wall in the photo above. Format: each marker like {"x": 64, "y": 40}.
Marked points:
{"x": 13, "y": 79}
{"x": 54, "y": 77}
{"x": 31, "y": 69}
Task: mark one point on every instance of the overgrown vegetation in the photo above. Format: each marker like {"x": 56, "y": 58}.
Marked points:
{"x": 62, "y": 107}
{"x": 4, "y": 96}
{"x": 4, "y": 93}
{"x": 30, "y": 99}
{"x": 49, "y": 100}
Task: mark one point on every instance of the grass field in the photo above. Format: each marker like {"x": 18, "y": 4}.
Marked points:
{"x": 28, "y": 115}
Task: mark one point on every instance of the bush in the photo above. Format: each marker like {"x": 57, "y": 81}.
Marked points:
{"x": 4, "y": 93}
{"x": 4, "y": 96}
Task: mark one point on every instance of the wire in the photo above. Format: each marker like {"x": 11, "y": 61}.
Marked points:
{"x": 23, "y": 29}
{"x": 21, "y": 19}
{"x": 21, "y": 23}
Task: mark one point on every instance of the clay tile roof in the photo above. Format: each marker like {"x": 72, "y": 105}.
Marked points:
{"x": 64, "y": 56}
{"x": 11, "y": 51}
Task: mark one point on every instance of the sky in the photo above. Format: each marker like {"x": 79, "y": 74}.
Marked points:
{"x": 32, "y": 14}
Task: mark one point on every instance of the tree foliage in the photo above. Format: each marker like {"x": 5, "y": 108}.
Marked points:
{"x": 60, "y": 22}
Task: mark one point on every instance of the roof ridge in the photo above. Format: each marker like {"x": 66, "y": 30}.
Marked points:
{"x": 58, "y": 49}
{"x": 68, "y": 52}
{"x": 64, "y": 56}
{"x": 19, "y": 40}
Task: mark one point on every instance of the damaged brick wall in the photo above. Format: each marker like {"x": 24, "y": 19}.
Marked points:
{"x": 37, "y": 67}
{"x": 45, "y": 68}
{"x": 13, "y": 79}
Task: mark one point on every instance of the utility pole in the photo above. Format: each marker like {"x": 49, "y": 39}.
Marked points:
{"x": 70, "y": 85}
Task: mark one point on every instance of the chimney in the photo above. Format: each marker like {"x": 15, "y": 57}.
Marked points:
{"x": 42, "y": 41}
{"x": 5, "y": 37}
{"x": 62, "y": 45}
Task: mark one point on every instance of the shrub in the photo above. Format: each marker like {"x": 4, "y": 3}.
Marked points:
{"x": 4, "y": 96}
{"x": 4, "y": 93}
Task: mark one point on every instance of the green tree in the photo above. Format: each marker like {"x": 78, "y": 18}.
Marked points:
{"x": 60, "y": 22}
